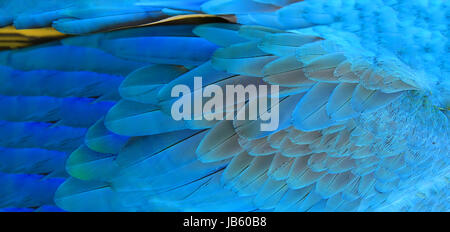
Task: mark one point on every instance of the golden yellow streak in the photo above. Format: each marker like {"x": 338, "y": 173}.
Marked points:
{"x": 37, "y": 32}
{"x": 172, "y": 19}
{"x": 51, "y": 32}
{"x": 12, "y": 38}
{"x": 180, "y": 17}
{"x": 15, "y": 38}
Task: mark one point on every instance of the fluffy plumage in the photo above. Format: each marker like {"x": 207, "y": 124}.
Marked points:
{"x": 363, "y": 125}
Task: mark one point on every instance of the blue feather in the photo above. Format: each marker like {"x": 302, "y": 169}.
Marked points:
{"x": 74, "y": 112}
{"x": 40, "y": 135}
{"x": 68, "y": 58}
{"x": 136, "y": 119}
{"x": 32, "y": 161}
{"x": 59, "y": 84}
{"x": 26, "y": 190}
{"x": 100, "y": 139}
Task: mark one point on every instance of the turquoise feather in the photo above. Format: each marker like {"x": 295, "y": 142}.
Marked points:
{"x": 363, "y": 97}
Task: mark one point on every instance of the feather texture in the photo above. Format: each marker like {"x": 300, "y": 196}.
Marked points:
{"x": 361, "y": 119}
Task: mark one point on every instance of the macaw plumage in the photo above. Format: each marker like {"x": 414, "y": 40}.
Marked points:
{"x": 364, "y": 94}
